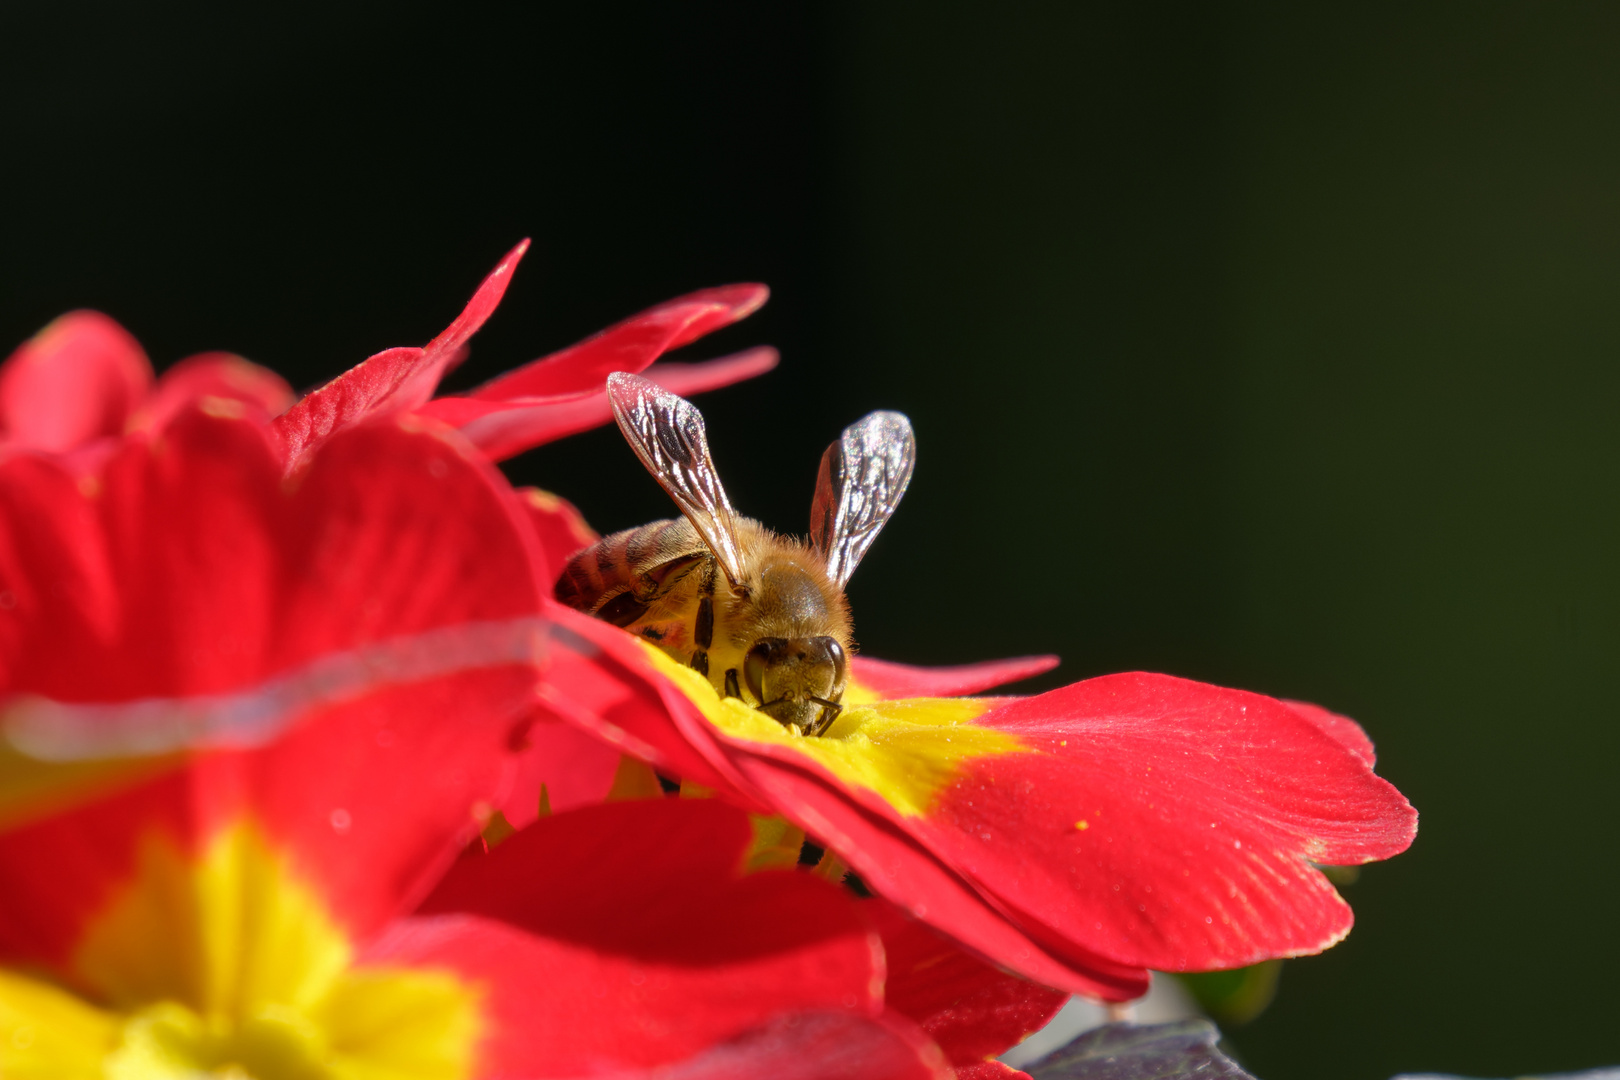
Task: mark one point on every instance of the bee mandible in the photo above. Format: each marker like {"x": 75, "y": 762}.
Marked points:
{"x": 762, "y": 616}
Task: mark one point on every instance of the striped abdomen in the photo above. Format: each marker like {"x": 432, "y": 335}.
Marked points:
{"x": 620, "y": 576}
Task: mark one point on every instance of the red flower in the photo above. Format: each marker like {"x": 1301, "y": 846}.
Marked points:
{"x": 205, "y": 623}
{"x": 1079, "y": 837}
{"x": 83, "y": 381}
{"x": 554, "y": 396}
{"x": 80, "y": 384}
{"x": 246, "y": 726}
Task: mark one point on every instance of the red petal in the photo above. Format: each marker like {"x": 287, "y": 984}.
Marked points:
{"x": 971, "y": 1009}
{"x": 900, "y": 868}
{"x": 392, "y": 380}
{"x": 504, "y": 428}
{"x": 560, "y": 528}
{"x": 855, "y": 824}
{"x": 628, "y": 346}
{"x": 1149, "y": 822}
{"x": 187, "y": 568}
{"x": 222, "y": 376}
{"x": 888, "y": 680}
{"x": 598, "y": 679}
{"x": 370, "y": 799}
{"x": 375, "y": 624}
{"x": 478, "y": 309}
{"x": 574, "y": 768}
{"x": 624, "y": 935}
{"x": 1202, "y": 809}
{"x": 77, "y": 380}
{"x": 1346, "y": 731}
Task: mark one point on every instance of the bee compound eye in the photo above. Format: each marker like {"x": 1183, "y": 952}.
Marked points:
{"x": 754, "y": 670}
{"x": 840, "y": 664}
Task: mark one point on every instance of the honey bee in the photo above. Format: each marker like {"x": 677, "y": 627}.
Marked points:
{"x": 762, "y": 616}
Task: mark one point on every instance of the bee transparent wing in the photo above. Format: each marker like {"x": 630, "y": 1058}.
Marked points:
{"x": 666, "y": 432}
{"x": 862, "y": 477}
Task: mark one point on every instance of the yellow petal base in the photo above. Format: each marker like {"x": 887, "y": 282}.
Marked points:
{"x": 904, "y": 751}
{"x": 227, "y": 965}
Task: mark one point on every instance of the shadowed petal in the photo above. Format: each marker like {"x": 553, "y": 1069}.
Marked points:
{"x": 972, "y": 1010}
{"x": 598, "y": 679}
{"x": 563, "y": 766}
{"x": 885, "y": 680}
{"x": 560, "y": 528}
{"x": 627, "y": 936}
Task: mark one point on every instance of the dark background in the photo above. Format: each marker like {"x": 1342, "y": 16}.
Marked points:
{"x": 1272, "y": 347}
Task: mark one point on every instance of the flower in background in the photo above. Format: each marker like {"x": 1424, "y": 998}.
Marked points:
{"x": 247, "y": 728}
{"x": 83, "y": 382}
{"x": 80, "y": 384}
{"x": 554, "y": 396}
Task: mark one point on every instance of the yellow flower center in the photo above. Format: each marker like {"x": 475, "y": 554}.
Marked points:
{"x": 169, "y": 1040}
{"x": 228, "y": 965}
{"x": 904, "y": 751}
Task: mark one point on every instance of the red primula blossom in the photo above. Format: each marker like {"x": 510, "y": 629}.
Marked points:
{"x": 247, "y": 728}
{"x": 76, "y": 387}
{"x": 83, "y": 381}
{"x": 80, "y": 385}
{"x": 555, "y": 396}
{"x": 1079, "y": 837}
{"x": 579, "y": 770}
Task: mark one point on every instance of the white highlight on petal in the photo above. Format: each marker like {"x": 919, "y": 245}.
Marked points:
{"x": 50, "y": 730}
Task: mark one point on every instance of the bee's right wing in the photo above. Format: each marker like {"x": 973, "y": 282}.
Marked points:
{"x": 862, "y": 477}
{"x": 666, "y": 432}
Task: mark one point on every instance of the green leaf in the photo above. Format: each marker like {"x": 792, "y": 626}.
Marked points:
{"x": 1141, "y": 1052}
{"x": 1234, "y": 997}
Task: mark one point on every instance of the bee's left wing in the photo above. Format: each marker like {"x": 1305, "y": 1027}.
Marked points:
{"x": 862, "y": 477}
{"x": 666, "y": 432}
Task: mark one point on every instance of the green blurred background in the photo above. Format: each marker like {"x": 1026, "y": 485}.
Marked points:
{"x": 1275, "y": 346}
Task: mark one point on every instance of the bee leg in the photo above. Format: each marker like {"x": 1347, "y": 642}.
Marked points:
{"x": 703, "y": 632}
{"x": 732, "y": 689}
{"x": 830, "y": 711}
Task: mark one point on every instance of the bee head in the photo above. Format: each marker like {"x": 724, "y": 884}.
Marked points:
{"x": 798, "y": 681}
